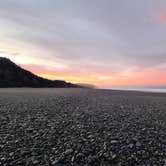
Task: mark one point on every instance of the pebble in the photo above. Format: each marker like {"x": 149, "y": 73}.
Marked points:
{"x": 131, "y": 146}
{"x": 138, "y": 144}
{"x": 68, "y": 151}
{"x": 113, "y": 156}
{"x": 54, "y": 162}
{"x": 80, "y": 155}
{"x": 114, "y": 141}
{"x": 98, "y": 133}
{"x": 11, "y": 154}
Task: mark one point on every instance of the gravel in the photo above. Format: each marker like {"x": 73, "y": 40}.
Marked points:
{"x": 63, "y": 127}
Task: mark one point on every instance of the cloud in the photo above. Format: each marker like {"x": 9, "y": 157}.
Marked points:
{"x": 162, "y": 17}
{"x": 104, "y": 38}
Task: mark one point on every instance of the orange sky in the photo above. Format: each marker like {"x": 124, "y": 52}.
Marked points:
{"x": 101, "y": 76}
{"x": 144, "y": 77}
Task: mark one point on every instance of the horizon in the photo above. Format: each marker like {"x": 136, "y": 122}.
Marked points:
{"x": 103, "y": 43}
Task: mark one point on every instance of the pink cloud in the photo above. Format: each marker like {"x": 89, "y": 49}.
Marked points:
{"x": 162, "y": 17}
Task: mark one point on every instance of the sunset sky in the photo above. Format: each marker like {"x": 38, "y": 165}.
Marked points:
{"x": 108, "y": 43}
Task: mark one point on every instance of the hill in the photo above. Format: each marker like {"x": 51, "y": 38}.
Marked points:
{"x": 12, "y": 75}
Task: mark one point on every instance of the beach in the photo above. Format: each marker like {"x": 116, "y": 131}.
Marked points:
{"x": 82, "y": 127}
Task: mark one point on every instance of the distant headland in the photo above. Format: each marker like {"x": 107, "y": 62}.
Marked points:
{"x": 12, "y": 75}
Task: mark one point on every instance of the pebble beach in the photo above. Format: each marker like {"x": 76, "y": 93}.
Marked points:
{"x": 92, "y": 127}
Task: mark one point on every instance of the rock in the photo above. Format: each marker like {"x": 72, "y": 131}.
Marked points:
{"x": 54, "y": 162}
{"x": 106, "y": 155}
{"x": 105, "y": 146}
{"x": 131, "y": 145}
{"x": 92, "y": 159}
{"x": 80, "y": 155}
{"x": 35, "y": 162}
{"x": 72, "y": 159}
{"x": 68, "y": 151}
{"x": 88, "y": 151}
{"x": 3, "y": 158}
{"x": 113, "y": 156}
{"x": 114, "y": 141}
{"x": 24, "y": 152}
{"x": 61, "y": 158}
{"x": 164, "y": 162}
{"x": 138, "y": 144}
{"x": 11, "y": 154}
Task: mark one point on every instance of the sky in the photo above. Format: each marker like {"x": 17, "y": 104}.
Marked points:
{"x": 107, "y": 43}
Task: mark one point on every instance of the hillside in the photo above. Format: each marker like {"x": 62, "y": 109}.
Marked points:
{"x": 11, "y": 75}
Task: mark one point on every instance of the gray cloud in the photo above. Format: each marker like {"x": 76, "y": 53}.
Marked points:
{"x": 112, "y": 33}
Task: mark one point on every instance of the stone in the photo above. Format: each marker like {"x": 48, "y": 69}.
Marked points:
{"x": 138, "y": 144}
{"x": 68, "y": 151}
{"x": 114, "y": 141}
{"x": 131, "y": 145}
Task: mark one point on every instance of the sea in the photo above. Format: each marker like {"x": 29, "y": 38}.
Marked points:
{"x": 157, "y": 90}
